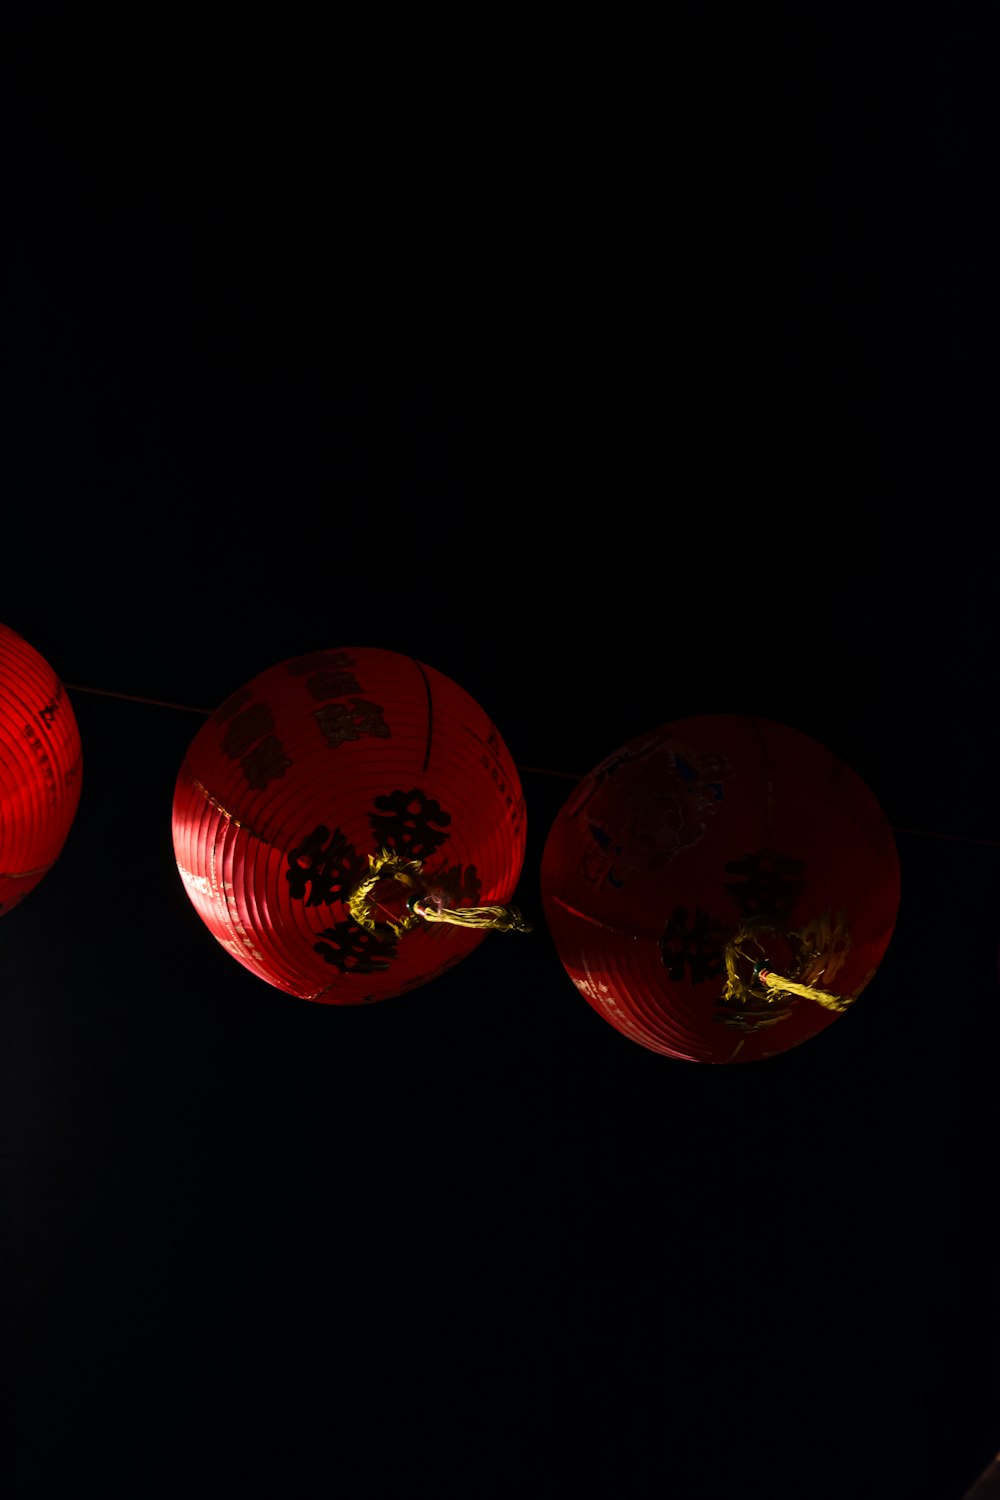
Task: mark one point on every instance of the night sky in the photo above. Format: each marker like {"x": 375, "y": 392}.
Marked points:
{"x": 621, "y": 378}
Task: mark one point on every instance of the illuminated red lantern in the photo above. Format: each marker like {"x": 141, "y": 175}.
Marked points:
{"x": 41, "y": 768}
{"x": 349, "y": 825}
{"x": 721, "y": 888}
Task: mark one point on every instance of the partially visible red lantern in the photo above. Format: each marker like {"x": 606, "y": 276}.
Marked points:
{"x": 41, "y": 768}
{"x": 721, "y": 888}
{"x": 349, "y": 825}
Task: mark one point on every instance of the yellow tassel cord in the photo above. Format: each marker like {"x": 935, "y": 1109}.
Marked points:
{"x": 499, "y": 918}
{"x": 781, "y": 986}
{"x": 384, "y": 865}
{"x": 822, "y": 946}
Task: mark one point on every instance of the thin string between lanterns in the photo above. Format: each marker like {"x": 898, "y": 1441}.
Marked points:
{"x": 189, "y": 708}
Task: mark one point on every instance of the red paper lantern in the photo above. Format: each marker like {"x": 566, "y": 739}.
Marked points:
{"x": 41, "y": 768}
{"x": 349, "y": 825}
{"x": 721, "y": 888}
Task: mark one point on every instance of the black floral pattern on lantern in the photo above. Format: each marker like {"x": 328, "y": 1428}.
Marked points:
{"x": 265, "y": 762}
{"x": 409, "y": 824}
{"x": 340, "y": 723}
{"x": 323, "y": 868}
{"x": 328, "y": 674}
{"x": 769, "y": 884}
{"x": 695, "y": 943}
{"x": 331, "y": 682}
{"x": 352, "y": 950}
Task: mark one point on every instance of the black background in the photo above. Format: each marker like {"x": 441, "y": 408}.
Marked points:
{"x": 620, "y": 375}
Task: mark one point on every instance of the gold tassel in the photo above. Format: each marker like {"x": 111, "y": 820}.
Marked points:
{"x": 382, "y": 865}
{"x": 789, "y": 987}
{"x": 499, "y": 918}
{"x": 776, "y": 985}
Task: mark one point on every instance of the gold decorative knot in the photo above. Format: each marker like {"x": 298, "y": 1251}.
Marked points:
{"x": 421, "y": 906}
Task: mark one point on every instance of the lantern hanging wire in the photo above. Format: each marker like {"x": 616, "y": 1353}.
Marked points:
{"x": 562, "y": 775}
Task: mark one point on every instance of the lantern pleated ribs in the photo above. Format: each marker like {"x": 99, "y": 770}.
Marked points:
{"x": 41, "y": 768}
